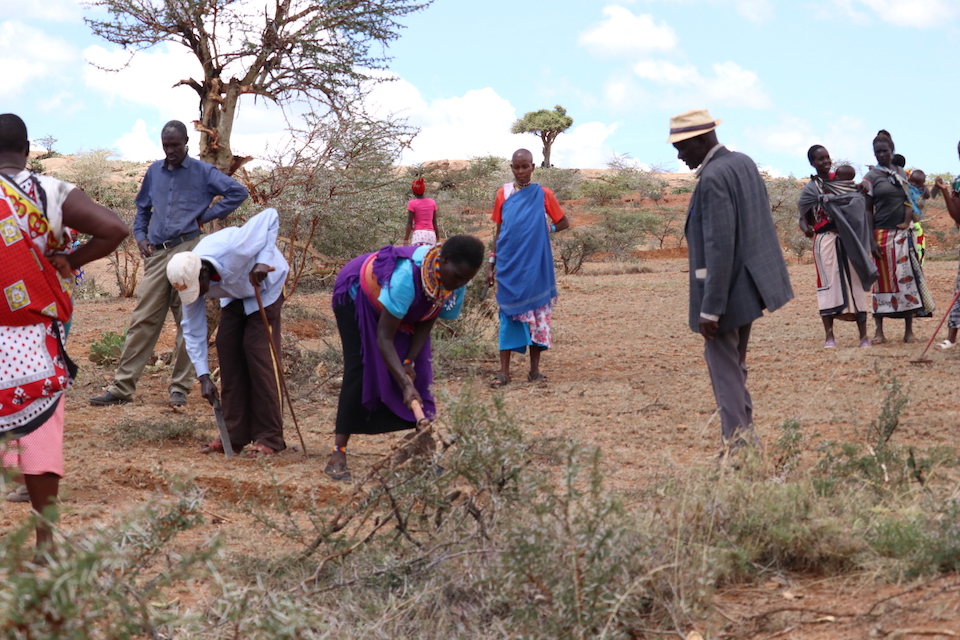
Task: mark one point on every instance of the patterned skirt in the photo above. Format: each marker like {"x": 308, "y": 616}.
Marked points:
{"x": 901, "y": 290}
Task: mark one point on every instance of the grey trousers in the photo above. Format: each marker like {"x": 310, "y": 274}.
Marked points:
{"x": 726, "y": 357}
{"x": 156, "y": 296}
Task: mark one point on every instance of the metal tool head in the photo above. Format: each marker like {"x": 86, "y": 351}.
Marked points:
{"x": 222, "y": 428}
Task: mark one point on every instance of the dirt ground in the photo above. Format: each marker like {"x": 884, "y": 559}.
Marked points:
{"x": 627, "y": 375}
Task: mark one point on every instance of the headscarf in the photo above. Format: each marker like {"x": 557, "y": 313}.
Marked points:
{"x": 419, "y": 186}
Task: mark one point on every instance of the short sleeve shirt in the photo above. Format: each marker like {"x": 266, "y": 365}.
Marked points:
{"x": 889, "y": 199}
{"x": 550, "y": 204}
{"x": 422, "y": 210}
{"x": 397, "y": 298}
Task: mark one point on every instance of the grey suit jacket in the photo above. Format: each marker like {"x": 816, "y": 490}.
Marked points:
{"x": 736, "y": 263}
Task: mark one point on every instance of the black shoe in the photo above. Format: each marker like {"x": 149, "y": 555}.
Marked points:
{"x": 178, "y": 399}
{"x": 106, "y": 399}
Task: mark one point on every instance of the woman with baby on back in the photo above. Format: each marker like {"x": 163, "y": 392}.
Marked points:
{"x": 900, "y": 290}
{"x": 832, "y": 213}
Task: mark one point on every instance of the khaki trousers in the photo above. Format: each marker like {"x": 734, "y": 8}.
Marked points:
{"x": 156, "y": 296}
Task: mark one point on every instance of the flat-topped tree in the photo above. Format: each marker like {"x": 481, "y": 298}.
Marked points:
{"x": 546, "y": 124}
{"x": 320, "y": 51}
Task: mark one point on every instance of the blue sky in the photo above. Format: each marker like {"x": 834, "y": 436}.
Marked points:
{"x": 782, "y": 76}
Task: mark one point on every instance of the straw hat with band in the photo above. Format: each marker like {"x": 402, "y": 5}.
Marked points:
{"x": 691, "y": 124}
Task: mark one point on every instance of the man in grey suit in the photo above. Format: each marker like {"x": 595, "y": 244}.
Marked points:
{"x": 736, "y": 264}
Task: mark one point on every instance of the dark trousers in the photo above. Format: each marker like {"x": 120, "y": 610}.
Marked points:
{"x": 252, "y": 406}
{"x": 351, "y": 416}
{"x": 726, "y": 357}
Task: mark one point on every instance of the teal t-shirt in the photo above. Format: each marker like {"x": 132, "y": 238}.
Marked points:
{"x": 398, "y": 296}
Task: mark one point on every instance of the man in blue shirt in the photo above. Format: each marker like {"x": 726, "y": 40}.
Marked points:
{"x": 229, "y": 265}
{"x": 174, "y": 201}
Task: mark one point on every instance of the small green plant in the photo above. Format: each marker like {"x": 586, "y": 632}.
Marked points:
{"x": 787, "y": 451}
{"x": 681, "y": 190}
{"x": 105, "y": 351}
{"x": 36, "y": 165}
{"x": 894, "y": 402}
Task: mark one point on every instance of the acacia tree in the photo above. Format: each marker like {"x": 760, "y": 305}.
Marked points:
{"x": 336, "y": 175}
{"x": 323, "y": 51}
{"x": 546, "y": 124}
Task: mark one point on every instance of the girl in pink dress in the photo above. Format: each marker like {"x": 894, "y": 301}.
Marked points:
{"x": 422, "y": 227}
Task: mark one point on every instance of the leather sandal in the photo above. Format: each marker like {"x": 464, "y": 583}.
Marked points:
{"x": 212, "y": 447}
{"x": 257, "y": 450}
{"x": 499, "y": 380}
{"x": 338, "y": 472}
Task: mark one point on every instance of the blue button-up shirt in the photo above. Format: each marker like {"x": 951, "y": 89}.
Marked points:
{"x": 174, "y": 202}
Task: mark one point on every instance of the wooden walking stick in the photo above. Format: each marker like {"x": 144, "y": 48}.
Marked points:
{"x": 278, "y": 374}
{"x": 922, "y": 359}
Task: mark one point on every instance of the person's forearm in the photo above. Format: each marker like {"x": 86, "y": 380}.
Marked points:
{"x": 421, "y": 333}
{"x": 387, "y": 327}
{"x": 953, "y": 207}
{"x": 194, "y": 326}
{"x": 141, "y": 224}
{"x": 96, "y": 248}
{"x": 233, "y": 197}
{"x": 388, "y": 352}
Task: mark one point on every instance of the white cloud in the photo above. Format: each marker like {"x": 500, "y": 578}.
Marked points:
{"x": 583, "y": 146}
{"x": 843, "y": 137}
{"x": 733, "y": 85}
{"x": 729, "y": 85}
{"x": 664, "y": 72}
{"x": 478, "y": 124}
{"x": 48, "y": 10}
{"x": 140, "y": 144}
{"x": 624, "y": 34}
{"x": 146, "y": 79}
{"x": 755, "y": 10}
{"x": 622, "y": 93}
{"x": 28, "y": 54}
{"x": 911, "y": 13}
{"x": 792, "y": 135}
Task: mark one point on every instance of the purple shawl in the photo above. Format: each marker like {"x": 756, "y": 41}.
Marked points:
{"x": 378, "y": 385}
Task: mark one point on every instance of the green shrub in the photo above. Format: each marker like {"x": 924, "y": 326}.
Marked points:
{"x": 602, "y": 191}
{"x": 624, "y": 229}
{"x": 106, "y": 350}
{"x": 565, "y": 183}
{"x": 105, "y": 583}
{"x": 575, "y": 246}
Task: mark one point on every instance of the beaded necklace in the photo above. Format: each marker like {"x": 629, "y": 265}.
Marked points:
{"x": 430, "y": 276}
{"x": 517, "y": 186}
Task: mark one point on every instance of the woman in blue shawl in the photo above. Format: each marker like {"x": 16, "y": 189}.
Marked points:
{"x": 522, "y": 264}
{"x": 386, "y": 304}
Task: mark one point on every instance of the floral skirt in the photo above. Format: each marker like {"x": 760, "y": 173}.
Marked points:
{"x": 423, "y": 236}
{"x": 529, "y": 328}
